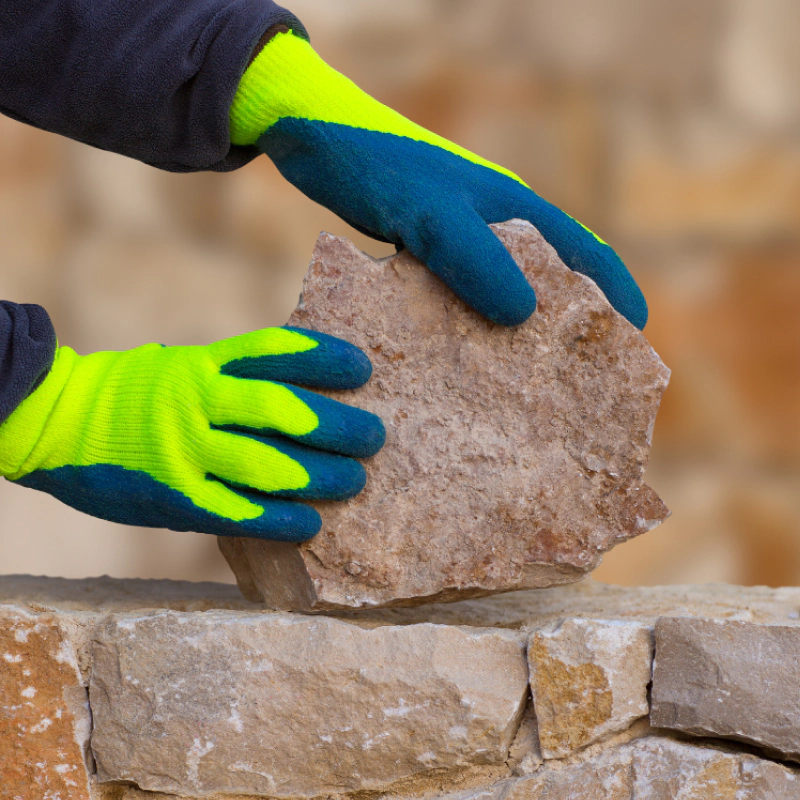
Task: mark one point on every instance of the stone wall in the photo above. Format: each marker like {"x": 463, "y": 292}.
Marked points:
{"x": 137, "y": 690}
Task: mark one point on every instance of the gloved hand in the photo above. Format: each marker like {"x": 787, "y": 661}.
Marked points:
{"x": 400, "y": 183}
{"x": 212, "y": 439}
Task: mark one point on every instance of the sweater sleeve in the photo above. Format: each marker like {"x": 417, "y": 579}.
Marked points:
{"x": 27, "y": 347}
{"x": 149, "y": 79}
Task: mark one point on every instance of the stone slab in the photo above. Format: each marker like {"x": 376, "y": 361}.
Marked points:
{"x": 652, "y": 768}
{"x": 588, "y": 680}
{"x": 119, "y": 594}
{"x": 291, "y": 706}
{"x": 527, "y": 610}
{"x": 44, "y": 712}
{"x": 732, "y": 679}
{"x": 664, "y": 769}
{"x": 514, "y": 457}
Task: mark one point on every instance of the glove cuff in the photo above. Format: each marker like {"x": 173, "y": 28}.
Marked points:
{"x": 279, "y": 80}
{"x": 21, "y": 432}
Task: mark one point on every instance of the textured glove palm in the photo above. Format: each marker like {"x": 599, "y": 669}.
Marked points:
{"x": 400, "y": 183}
{"x": 212, "y": 439}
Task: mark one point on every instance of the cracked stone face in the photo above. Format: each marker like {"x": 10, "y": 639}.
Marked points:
{"x": 514, "y": 457}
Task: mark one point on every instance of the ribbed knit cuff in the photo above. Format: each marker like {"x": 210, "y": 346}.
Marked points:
{"x": 283, "y": 79}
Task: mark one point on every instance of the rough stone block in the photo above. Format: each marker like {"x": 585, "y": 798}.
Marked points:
{"x": 664, "y": 769}
{"x": 287, "y": 706}
{"x": 44, "y": 712}
{"x": 731, "y": 679}
{"x": 653, "y": 768}
{"x": 514, "y": 457}
{"x": 588, "y": 679}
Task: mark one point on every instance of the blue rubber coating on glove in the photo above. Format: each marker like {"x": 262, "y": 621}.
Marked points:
{"x": 438, "y": 205}
{"x": 134, "y": 498}
{"x": 331, "y": 476}
{"x": 333, "y": 364}
{"x": 342, "y": 429}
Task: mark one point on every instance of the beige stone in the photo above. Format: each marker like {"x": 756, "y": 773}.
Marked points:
{"x": 528, "y": 610}
{"x": 44, "y": 713}
{"x": 588, "y": 679}
{"x": 653, "y": 768}
{"x": 290, "y": 706}
{"x": 525, "y": 753}
{"x": 514, "y": 457}
{"x": 607, "y": 777}
{"x": 105, "y": 594}
{"x": 731, "y": 679}
{"x": 664, "y": 769}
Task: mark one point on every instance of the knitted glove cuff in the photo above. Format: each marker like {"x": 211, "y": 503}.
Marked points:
{"x": 281, "y": 74}
{"x": 23, "y": 429}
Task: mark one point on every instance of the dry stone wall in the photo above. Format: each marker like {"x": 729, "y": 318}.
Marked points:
{"x": 140, "y": 690}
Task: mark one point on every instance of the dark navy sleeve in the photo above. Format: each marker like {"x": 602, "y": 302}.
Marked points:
{"x": 27, "y": 347}
{"x": 150, "y": 79}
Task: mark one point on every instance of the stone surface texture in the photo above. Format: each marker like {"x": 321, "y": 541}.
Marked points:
{"x": 288, "y": 706}
{"x": 526, "y": 610}
{"x": 588, "y": 679}
{"x": 514, "y": 457}
{"x": 44, "y": 713}
{"x": 654, "y": 768}
{"x": 196, "y": 693}
{"x": 729, "y": 679}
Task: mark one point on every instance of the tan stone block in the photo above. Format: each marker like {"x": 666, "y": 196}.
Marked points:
{"x": 664, "y": 769}
{"x": 730, "y": 679}
{"x": 292, "y": 706}
{"x": 588, "y": 679}
{"x": 652, "y": 768}
{"x": 44, "y": 714}
{"x": 605, "y": 778}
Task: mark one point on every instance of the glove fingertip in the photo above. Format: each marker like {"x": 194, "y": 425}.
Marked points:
{"x": 519, "y": 306}
{"x": 333, "y": 364}
{"x": 459, "y": 247}
{"x": 282, "y": 521}
{"x": 634, "y": 308}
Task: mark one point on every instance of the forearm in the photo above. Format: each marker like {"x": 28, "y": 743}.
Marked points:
{"x": 150, "y": 79}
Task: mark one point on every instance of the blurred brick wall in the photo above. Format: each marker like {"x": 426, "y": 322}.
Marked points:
{"x": 672, "y": 127}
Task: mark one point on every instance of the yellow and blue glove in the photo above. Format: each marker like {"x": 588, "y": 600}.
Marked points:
{"x": 216, "y": 439}
{"x": 400, "y": 183}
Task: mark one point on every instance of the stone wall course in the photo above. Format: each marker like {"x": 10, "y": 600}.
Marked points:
{"x": 198, "y": 694}
{"x": 524, "y": 610}
{"x": 653, "y": 768}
